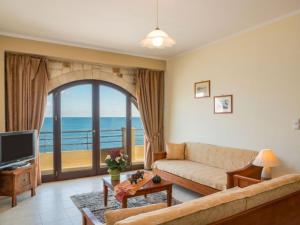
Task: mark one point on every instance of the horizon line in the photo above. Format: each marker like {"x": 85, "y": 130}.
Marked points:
{"x": 92, "y": 117}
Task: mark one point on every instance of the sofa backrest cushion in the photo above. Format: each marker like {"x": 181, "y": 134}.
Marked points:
{"x": 254, "y": 196}
{"x": 270, "y": 190}
{"x": 218, "y": 156}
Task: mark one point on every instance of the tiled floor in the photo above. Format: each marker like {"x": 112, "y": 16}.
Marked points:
{"x": 52, "y": 204}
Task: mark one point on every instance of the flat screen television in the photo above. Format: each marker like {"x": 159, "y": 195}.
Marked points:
{"x": 17, "y": 147}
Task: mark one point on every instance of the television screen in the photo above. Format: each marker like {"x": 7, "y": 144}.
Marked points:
{"x": 17, "y": 147}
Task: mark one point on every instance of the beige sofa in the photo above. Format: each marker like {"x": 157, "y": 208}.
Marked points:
{"x": 207, "y": 168}
{"x": 274, "y": 202}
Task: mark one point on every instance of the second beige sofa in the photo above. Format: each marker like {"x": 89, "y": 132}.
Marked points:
{"x": 208, "y": 167}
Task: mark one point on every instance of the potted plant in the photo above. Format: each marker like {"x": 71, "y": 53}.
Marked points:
{"x": 116, "y": 162}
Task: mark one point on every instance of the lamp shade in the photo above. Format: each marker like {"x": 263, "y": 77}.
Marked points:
{"x": 266, "y": 158}
{"x": 157, "y": 39}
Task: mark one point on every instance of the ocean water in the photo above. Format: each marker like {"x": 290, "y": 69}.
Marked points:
{"x": 77, "y": 133}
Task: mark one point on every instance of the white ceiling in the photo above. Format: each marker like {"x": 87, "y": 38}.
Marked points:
{"x": 119, "y": 25}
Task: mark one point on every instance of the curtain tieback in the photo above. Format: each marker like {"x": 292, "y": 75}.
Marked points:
{"x": 153, "y": 137}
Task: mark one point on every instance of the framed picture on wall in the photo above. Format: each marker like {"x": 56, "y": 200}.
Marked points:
{"x": 202, "y": 89}
{"x": 223, "y": 104}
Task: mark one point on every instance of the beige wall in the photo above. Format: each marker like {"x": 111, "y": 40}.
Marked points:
{"x": 261, "y": 68}
{"x": 67, "y": 52}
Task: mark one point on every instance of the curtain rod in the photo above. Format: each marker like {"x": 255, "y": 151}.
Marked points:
{"x": 64, "y": 60}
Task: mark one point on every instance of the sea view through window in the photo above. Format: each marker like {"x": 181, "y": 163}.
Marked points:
{"x": 83, "y": 123}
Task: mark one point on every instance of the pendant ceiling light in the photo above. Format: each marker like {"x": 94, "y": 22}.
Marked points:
{"x": 157, "y": 38}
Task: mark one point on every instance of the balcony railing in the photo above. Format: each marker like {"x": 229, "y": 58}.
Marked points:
{"x": 82, "y": 139}
{"x": 76, "y": 146}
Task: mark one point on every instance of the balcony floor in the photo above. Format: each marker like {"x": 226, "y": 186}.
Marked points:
{"x": 82, "y": 159}
{"x": 52, "y": 204}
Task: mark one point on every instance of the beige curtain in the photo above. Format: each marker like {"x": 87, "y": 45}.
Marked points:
{"x": 150, "y": 97}
{"x": 26, "y": 94}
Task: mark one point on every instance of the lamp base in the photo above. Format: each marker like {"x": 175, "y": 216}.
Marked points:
{"x": 266, "y": 173}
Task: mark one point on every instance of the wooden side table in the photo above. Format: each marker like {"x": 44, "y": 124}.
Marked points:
{"x": 242, "y": 181}
{"x": 148, "y": 188}
{"x": 17, "y": 181}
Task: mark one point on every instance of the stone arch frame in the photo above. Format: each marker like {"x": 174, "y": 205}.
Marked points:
{"x": 64, "y": 73}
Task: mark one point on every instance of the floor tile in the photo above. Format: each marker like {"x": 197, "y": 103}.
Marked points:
{"x": 27, "y": 220}
{"x": 59, "y": 222}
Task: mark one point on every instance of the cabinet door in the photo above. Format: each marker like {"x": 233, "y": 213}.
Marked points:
{"x": 23, "y": 182}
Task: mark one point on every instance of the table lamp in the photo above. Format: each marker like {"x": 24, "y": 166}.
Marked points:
{"x": 266, "y": 159}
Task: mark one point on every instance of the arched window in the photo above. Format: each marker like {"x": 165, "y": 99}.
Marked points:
{"x": 84, "y": 121}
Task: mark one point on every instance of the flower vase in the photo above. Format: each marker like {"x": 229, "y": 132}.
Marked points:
{"x": 114, "y": 173}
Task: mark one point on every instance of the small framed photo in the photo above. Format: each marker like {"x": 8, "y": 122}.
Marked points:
{"x": 223, "y": 104}
{"x": 202, "y": 89}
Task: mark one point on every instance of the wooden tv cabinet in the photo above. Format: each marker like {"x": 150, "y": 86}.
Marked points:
{"x": 17, "y": 181}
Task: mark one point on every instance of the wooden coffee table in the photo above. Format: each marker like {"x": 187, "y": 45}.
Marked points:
{"x": 148, "y": 188}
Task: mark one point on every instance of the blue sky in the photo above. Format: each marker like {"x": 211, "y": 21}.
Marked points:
{"x": 77, "y": 102}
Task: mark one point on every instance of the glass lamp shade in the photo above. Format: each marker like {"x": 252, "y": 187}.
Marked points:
{"x": 157, "y": 39}
{"x": 266, "y": 158}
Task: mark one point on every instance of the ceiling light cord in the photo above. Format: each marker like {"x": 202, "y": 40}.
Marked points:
{"x": 157, "y": 27}
{"x": 157, "y": 38}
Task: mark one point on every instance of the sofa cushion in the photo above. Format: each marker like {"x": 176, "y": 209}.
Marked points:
{"x": 113, "y": 216}
{"x": 175, "y": 151}
{"x": 217, "y": 156}
{"x": 200, "y": 173}
{"x": 200, "y": 211}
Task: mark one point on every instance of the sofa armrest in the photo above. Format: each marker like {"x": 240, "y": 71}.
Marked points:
{"x": 248, "y": 171}
{"x": 159, "y": 155}
{"x": 114, "y": 216}
{"x": 241, "y": 181}
{"x": 88, "y": 218}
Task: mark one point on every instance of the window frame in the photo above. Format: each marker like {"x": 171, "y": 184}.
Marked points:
{"x": 56, "y": 110}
